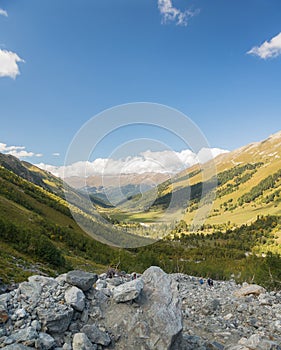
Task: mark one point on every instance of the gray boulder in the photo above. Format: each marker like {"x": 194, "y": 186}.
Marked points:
{"x": 249, "y": 289}
{"x": 82, "y": 342}
{"x": 43, "y": 281}
{"x": 56, "y": 320}
{"x": 156, "y": 320}
{"x": 24, "y": 335}
{"x": 127, "y": 291}
{"x": 81, "y": 279}
{"x": 45, "y": 341}
{"x": 75, "y": 298}
{"x": 96, "y": 335}
{"x": 32, "y": 290}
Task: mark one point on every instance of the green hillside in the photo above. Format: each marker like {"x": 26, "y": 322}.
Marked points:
{"x": 248, "y": 185}
{"x": 36, "y": 226}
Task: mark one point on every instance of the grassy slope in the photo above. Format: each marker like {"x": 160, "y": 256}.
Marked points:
{"x": 38, "y": 211}
{"x": 268, "y": 152}
{"x": 15, "y": 264}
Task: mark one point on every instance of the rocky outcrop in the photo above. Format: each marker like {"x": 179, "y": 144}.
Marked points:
{"x": 70, "y": 313}
{"x": 154, "y": 321}
{"x": 77, "y": 311}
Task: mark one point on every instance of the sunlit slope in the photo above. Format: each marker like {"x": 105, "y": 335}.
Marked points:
{"x": 46, "y": 197}
{"x": 249, "y": 184}
{"x": 36, "y": 225}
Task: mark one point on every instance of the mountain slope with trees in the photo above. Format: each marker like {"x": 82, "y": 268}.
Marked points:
{"x": 38, "y": 233}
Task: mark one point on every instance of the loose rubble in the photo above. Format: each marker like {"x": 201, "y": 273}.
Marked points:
{"x": 153, "y": 311}
{"x": 229, "y": 316}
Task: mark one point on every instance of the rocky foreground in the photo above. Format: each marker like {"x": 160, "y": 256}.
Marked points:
{"x": 84, "y": 311}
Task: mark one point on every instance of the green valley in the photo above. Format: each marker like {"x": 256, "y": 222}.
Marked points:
{"x": 240, "y": 238}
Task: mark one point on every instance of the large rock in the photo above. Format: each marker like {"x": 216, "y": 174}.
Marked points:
{"x": 25, "y": 334}
{"x": 43, "y": 281}
{"x": 128, "y": 291}
{"x": 82, "y": 342}
{"x": 81, "y": 279}
{"x": 96, "y": 335}
{"x": 249, "y": 289}
{"x": 45, "y": 341}
{"x": 75, "y": 297}
{"x": 32, "y": 290}
{"x": 156, "y": 320}
{"x": 55, "y": 320}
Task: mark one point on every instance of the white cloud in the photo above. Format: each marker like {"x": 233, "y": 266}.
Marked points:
{"x": 9, "y": 64}
{"x": 17, "y": 151}
{"x": 56, "y": 154}
{"x": 268, "y": 49}
{"x": 3, "y": 13}
{"x": 170, "y": 13}
{"x": 148, "y": 161}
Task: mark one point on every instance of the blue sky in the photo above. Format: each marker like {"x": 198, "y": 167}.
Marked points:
{"x": 208, "y": 59}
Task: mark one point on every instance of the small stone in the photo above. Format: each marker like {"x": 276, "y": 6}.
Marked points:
{"x": 228, "y": 316}
{"x": 36, "y": 325}
{"x": 85, "y": 316}
{"x": 96, "y": 335}
{"x": 82, "y": 342}
{"x": 45, "y": 341}
{"x": 17, "y": 347}
{"x": 128, "y": 291}
{"x": 4, "y": 316}
{"x": 75, "y": 297}
{"x": 21, "y": 313}
{"x": 249, "y": 289}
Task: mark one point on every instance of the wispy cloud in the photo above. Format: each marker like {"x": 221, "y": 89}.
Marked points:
{"x": 9, "y": 64}
{"x": 268, "y": 49}
{"x": 56, "y": 154}
{"x": 159, "y": 162}
{"x": 17, "y": 151}
{"x": 3, "y": 13}
{"x": 172, "y": 14}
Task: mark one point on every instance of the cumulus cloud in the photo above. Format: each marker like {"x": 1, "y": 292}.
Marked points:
{"x": 3, "y": 13}
{"x": 268, "y": 49}
{"x": 148, "y": 161}
{"x": 170, "y": 13}
{"x": 17, "y": 151}
{"x": 9, "y": 64}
